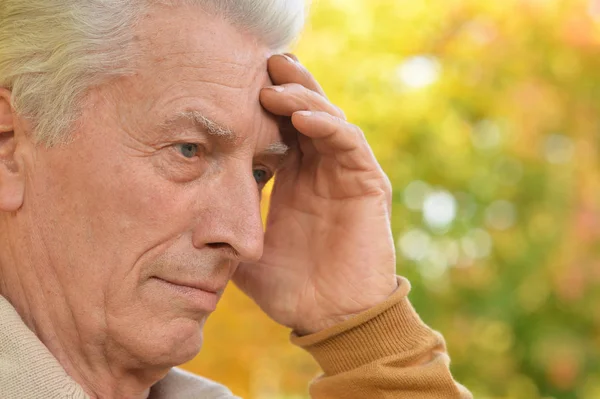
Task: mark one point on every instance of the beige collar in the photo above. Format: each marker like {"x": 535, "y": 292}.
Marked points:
{"x": 29, "y": 371}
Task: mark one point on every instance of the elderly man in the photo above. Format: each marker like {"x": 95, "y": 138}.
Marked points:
{"x": 135, "y": 139}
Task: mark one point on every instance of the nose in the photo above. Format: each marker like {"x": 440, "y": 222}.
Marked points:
{"x": 230, "y": 219}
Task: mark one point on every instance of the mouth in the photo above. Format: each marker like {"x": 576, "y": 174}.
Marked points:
{"x": 214, "y": 289}
{"x": 197, "y": 295}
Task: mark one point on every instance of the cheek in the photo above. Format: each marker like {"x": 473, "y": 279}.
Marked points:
{"x": 107, "y": 207}
{"x": 133, "y": 206}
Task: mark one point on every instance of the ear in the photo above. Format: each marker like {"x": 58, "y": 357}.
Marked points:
{"x": 12, "y": 182}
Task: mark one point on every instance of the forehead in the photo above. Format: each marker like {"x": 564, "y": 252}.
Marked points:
{"x": 191, "y": 60}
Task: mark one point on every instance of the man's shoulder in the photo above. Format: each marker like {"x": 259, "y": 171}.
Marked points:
{"x": 180, "y": 384}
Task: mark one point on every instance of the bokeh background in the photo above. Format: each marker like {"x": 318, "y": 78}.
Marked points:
{"x": 485, "y": 114}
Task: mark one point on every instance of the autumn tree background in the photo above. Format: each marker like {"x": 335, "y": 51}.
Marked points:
{"x": 485, "y": 115}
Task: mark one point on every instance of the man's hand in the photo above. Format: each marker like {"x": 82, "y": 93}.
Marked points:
{"x": 329, "y": 252}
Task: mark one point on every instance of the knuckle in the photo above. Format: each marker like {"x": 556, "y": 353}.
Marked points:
{"x": 335, "y": 124}
{"x": 331, "y": 117}
{"x": 305, "y": 73}
{"x": 315, "y": 97}
{"x": 340, "y": 112}
{"x": 387, "y": 185}
{"x": 358, "y": 133}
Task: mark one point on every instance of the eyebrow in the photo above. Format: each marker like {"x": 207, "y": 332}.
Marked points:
{"x": 215, "y": 129}
{"x": 278, "y": 148}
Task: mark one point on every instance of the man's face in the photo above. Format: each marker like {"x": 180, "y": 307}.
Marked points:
{"x": 151, "y": 199}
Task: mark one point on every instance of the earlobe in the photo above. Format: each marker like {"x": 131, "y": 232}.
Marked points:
{"x": 12, "y": 185}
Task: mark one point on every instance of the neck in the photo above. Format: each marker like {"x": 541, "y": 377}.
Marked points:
{"x": 88, "y": 356}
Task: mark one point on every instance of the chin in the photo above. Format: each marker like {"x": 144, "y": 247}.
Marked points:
{"x": 181, "y": 343}
{"x": 166, "y": 345}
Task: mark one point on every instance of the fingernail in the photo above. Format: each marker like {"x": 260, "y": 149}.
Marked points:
{"x": 304, "y": 113}
{"x": 278, "y": 89}
{"x": 290, "y": 59}
{"x": 293, "y": 56}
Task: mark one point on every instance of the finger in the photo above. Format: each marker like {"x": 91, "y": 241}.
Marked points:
{"x": 292, "y": 56}
{"x": 288, "y": 98}
{"x": 332, "y": 136}
{"x": 291, "y": 138}
{"x": 284, "y": 69}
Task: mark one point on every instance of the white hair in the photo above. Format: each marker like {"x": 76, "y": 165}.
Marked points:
{"x": 53, "y": 51}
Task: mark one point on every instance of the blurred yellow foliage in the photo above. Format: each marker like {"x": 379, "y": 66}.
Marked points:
{"x": 485, "y": 115}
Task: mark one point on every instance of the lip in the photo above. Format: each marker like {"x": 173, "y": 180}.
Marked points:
{"x": 197, "y": 296}
{"x": 213, "y": 289}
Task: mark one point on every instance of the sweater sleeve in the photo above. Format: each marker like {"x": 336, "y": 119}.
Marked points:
{"x": 386, "y": 352}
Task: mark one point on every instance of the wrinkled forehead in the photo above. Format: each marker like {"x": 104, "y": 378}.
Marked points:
{"x": 187, "y": 55}
{"x": 189, "y": 36}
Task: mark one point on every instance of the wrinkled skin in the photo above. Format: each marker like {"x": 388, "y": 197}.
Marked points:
{"x": 328, "y": 246}
{"x": 116, "y": 247}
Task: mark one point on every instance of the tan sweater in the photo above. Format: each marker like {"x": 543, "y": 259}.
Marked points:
{"x": 384, "y": 353}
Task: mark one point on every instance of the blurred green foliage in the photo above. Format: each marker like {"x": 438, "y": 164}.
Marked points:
{"x": 485, "y": 116}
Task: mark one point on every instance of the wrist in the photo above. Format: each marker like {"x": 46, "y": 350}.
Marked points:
{"x": 332, "y": 318}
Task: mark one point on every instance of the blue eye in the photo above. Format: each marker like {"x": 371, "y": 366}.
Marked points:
{"x": 188, "y": 150}
{"x": 261, "y": 176}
